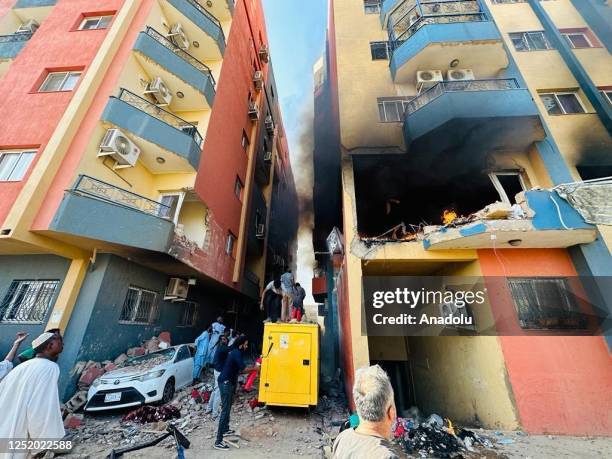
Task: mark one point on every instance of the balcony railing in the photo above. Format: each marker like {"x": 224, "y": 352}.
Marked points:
{"x": 161, "y": 114}
{"x": 179, "y": 52}
{"x": 98, "y": 189}
{"x": 411, "y": 15}
{"x": 206, "y": 13}
{"x": 453, "y": 86}
{"x": 16, "y": 37}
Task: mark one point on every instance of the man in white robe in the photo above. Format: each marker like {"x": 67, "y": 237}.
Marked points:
{"x": 29, "y": 399}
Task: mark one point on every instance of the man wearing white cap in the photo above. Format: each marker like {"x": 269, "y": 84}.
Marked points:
{"x": 29, "y": 397}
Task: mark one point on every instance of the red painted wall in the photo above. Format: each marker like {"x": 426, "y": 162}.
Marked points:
{"x": 561, "y": 384}
{"x": 54, "y": 46}
{"x": 223, "y": 157}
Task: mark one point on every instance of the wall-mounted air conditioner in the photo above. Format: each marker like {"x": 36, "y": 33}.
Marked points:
{"x": 179, "y": 37}
{"x": 253, "y": 110}
{"x": 116, "y": 145}
{"x": 460, "y": 75}
{"x": 28, "y": 27}
{"x": 269, "y": 124}
{"x": 258, "y": 79}
{"x": 428, "y": 78}
{"x": 158, "y": 89}
{"x": 267, "y": 157}
{"x": 177, "y": 289}
{"x": 260, "y": 232}
{"x": 264, "y": 54}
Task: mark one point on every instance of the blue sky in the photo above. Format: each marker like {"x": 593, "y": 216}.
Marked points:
{"x": 296, "y": 32}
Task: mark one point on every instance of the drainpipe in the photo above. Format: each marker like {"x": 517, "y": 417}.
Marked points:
{"x": 602, "y": 107}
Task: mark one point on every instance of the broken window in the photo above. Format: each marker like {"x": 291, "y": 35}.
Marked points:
{"x": 171, "y": 205}
{"x": 545, "y": 303}
{"x": 508, "y": 185}
{"x": 379, "y": 50}
{"x": 28, "y": 300}
{"x": 140, "y": 306}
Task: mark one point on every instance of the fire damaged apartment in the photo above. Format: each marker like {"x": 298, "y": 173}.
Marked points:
{"x": 143, "y": 169}
{"x": 470, "y": 138}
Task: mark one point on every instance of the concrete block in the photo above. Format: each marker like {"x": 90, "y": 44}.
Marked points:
{"x": 73, "y": 421}
{"x": 135, "y": 351}
{"x": 89, "y": 376}
{"x": 77, "y": 401}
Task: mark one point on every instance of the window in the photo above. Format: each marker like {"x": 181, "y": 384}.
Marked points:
{"x": 60, "y": 81}
{"x": 171, "y": 206}
{"x": 379, "y": 50}
{"x": 530, "y": 41}
{"x": 140, "y": 306}
{"x": 371, "y": 6}
{"x": 229, "y": 245}
{"x": 14, "y": 164}
{"x": 391, "y": 110}
{"x": 508, "y": 185}
{"x": 545, "y": 303}
{"x": 607, "y": 93}
{"x": 578, "y": 40}
{"x": 562, "y": 103}
{"x": 245, "y": 140}
{"x": 189, "y": 316}
{"x": 238, "y": 187}
{"x": 95, "y": 22}
{"x": 28, "y": 300}
{"x": 182, "y": 354}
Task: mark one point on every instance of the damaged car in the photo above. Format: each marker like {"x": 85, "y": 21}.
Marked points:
{"x": 149, "y": 378}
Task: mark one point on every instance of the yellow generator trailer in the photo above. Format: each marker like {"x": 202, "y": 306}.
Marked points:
{"x": 290, "y": 365}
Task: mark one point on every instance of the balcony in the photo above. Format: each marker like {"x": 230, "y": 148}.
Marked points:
{"x": 420, "y": 33}
{"x": 203, "y": 29}
{"x": 180, "y": 71}
{"x": 99, "y": 211}
{"x": 472, "y": 118}
{"x": 33, "y": 3}
{"x": 160, "y": 134}
{"x": 258, "y": 216}
{"x": 549, "y": 222}
{"x": 10, "y": 46}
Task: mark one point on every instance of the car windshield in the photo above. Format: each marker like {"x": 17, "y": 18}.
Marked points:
{"x": 150, "y": 360}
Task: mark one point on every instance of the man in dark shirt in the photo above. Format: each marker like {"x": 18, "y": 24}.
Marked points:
{"x": 228, "y": 378}
{"x": 218, "y": 361}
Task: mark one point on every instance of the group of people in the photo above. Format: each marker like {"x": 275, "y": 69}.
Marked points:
{"x": 283, "y": 298}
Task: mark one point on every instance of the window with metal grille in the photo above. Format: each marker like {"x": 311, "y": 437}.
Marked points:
{"x": 140, "y": 306}
{"x": 379, "y": 50}
{"x": 28, "y": 300}
{"x": 371, "y": 6}
{"x": 189, "y": 316}
{"x": 530, "y": 41}
{"x": 391, "y": 110}
{"x": 545, "y": 303}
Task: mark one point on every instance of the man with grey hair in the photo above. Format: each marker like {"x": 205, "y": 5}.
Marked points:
{"x": 373, "y": 397}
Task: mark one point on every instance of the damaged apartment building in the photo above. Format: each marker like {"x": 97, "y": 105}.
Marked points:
{"x": 471, "y": 138}
{"x": 143, "y": 171}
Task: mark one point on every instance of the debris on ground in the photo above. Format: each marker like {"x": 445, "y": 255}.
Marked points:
{"x": 148, "y": 413}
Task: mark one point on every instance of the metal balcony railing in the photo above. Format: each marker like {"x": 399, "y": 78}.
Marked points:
{"x": 411, "y": 15}
{"x": 98, "y": 189}
{"x": 454, "y": 86}
{"x": 179, "y": 52}
{"x": 208, "y": 14}
{"x": 161, "y": 114}
{"x": 16, "y": 37}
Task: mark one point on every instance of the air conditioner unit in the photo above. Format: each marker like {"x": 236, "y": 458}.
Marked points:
{"x": 28, "y": 27}
{"x": 264, "y": 54}
{"x": 267, "y": 157}
{"x": 258, "y": 79}
{"x": 177, "y": 289}
{"x": 428, "y": 78}
{"x": 160, "y": 91}
{"x": 260, "y": 232}
{"x": 116, "y": 145}
{"x": 179, "y": 37}
{"x": 460, "y": 75}
{"x": 269, "y": 124}
{"x": 253, "y": 110}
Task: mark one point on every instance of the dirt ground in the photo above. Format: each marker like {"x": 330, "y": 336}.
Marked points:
{"x": 284, "y": 433}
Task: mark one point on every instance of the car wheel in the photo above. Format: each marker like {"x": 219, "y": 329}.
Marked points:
{"x": 168, "y": 393}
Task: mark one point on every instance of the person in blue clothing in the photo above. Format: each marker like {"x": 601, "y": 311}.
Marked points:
{"x": 228, "y": 378}
{"x": 201, "y": 355}
{"x": 218, "y": 329}
{"x": 218, "y": 363}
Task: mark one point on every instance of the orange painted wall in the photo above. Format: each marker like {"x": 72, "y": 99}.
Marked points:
{"x": 56, "y": 45}
{"x": 561, "y": 384}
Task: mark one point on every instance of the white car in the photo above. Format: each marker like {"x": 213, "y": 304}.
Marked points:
{"x": 145, "y": 379}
